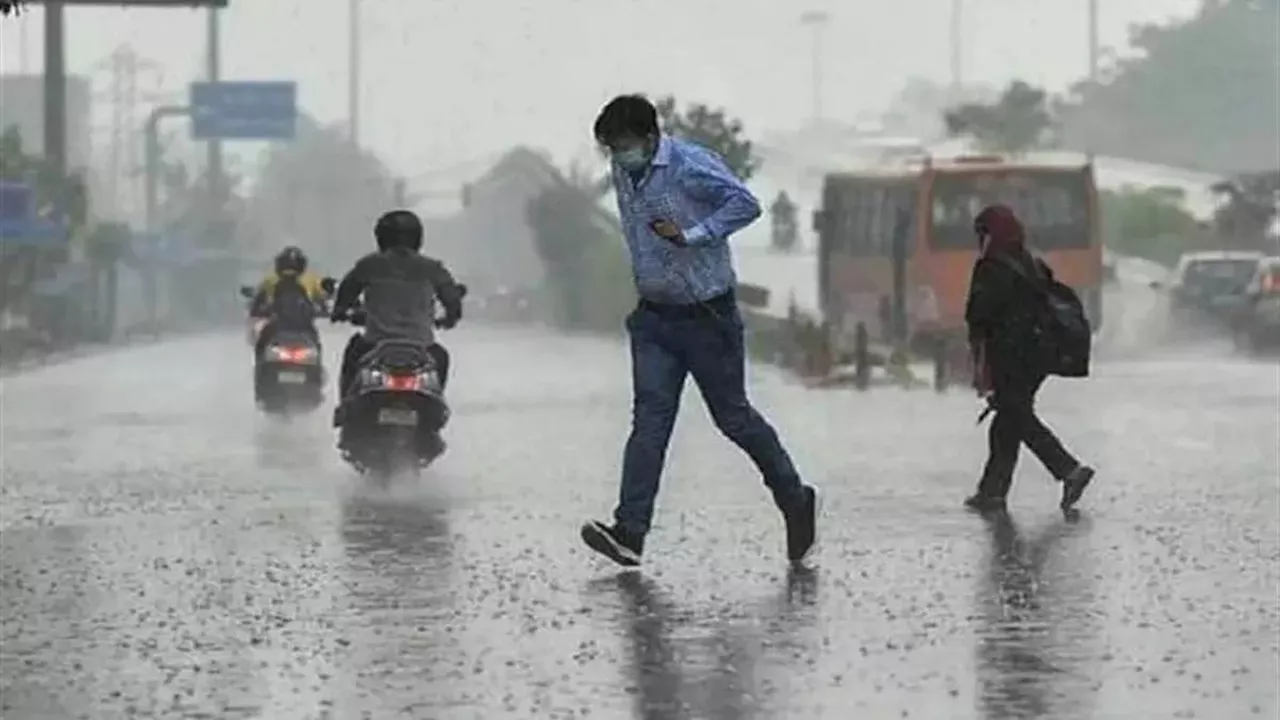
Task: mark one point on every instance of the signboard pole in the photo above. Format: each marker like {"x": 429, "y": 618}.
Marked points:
{"x": 213, "y": 73}
{"x": 151, "y": 280}
{"x": 55, "y": 91}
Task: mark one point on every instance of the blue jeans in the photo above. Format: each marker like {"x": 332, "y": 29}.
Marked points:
{"x": 710, "y": 348}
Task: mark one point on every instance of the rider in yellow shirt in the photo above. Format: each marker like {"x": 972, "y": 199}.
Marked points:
{"x": 307, "y": 301}
{"x": 291, "y": 263}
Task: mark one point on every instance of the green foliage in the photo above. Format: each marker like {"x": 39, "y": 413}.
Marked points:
{"x": 1202, "y": 93}
{"x": 52, "y": 188}
{"x": 1150, "y": 223}
{"x": 1249, "y": 206}
{"x": 323, "y": 193}
{"x": 712, "y": 128}
{"x": 1018, "y": 121}
{"x": 11, "y": 7}
{"x": 588, "y": 278}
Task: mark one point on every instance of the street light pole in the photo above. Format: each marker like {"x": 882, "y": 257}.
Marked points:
{"x": 1093, "y": 40}
{"x": 353, "y": 71}
{"x": 213, "y": 72}
{"x": 817, "y": 20}
{"x": 957, "y": 45}
{"x": 154, "y": 231}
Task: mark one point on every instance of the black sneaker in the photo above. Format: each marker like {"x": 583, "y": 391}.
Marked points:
{"x": 985, "y": 503}
{"x": 1073, "y": 486}
{"x": 614, "y": 543}
{"x": 802, "y": 526}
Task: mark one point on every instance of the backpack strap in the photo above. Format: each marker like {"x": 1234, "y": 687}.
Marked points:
{"x": 1039, "y": 283}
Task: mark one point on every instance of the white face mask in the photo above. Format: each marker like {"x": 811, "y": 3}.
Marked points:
{"x": 631, "y": 158}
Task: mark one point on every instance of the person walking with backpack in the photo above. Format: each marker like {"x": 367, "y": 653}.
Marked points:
{"x": 1009, "y": 314}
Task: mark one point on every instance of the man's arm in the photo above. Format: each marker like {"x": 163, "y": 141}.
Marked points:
{"x": 709, "y": 180}
{"x": 349, "y": 289}
{"x": 447, "y": 290}
{"x": 989, "y": 290}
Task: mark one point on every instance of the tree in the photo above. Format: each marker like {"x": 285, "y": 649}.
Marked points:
{"x": 1248, "y": 210}
{"x": 321, "y": 192}
{"x": 1018, "y": 121}
{"x": 10, "y": 7}
{"x": 712, "y": 128}
{"x": 52, "y": 189}
{"x": 1150, "y": 223}
{"x": 920, "y": 106}
{"x": 582, "y": 250}
{"x": 1202, "y": 93}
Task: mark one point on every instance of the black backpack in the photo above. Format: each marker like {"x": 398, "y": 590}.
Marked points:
{"x": 1064, "y": 335}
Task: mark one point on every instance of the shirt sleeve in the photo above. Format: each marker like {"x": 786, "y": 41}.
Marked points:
{"x": 351, "y": 286}
{"x": 709, "y": 181}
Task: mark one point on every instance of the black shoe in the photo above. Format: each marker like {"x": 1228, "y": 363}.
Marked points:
{"x": 802, "y": 526}
{"x": 985, "y": 503}
{"x": 1073, "y": 486}
{"x": 614, "y": 543}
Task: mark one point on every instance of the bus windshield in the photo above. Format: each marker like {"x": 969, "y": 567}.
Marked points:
{"x": 1052, "y": 205}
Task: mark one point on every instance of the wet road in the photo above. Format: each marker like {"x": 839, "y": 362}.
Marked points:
{"x": 167, "y": 552}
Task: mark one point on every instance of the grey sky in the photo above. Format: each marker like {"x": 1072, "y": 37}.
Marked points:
{"x": 452, "y": 80}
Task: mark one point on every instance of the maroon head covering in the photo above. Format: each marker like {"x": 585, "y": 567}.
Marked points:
{"x": 1001, "y": 230}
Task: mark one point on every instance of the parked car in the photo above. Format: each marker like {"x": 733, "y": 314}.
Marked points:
{"x": 1257, "y": 325}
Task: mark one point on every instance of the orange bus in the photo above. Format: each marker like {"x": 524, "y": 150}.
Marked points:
{"x": 896, "y": 246}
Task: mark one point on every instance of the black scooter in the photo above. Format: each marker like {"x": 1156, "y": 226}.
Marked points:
{"x": 288, "y": 373}
{"x": 391, "y": 418}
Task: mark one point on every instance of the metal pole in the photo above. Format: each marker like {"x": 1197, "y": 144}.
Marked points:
{"x": 152, "y": 179}
{"x": 353, "y": 71}
{"x": 817, "y": 21}
{"x": 957, "y": 44}
{"x": 24, "y": 47}
{"x": 1093, "y": 40}
{"x": 213, "y": 75}
{"x": 55, "y": 91}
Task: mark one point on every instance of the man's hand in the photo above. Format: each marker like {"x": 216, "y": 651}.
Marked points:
{"x": 668, "y": 231}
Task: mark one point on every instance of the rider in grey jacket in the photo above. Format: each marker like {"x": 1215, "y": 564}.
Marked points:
{"x": 400, "y": 288}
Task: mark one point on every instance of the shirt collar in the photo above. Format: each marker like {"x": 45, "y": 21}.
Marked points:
{"x": 662, "y": 157}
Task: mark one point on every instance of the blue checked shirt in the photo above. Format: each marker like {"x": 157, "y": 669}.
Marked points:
{"x": 693, "y": 188}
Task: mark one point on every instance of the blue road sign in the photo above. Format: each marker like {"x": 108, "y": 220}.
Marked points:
{"x": 19, "y": 224}
{"x": 17, "y": 202}
{"x": 32, "y": 232}
{"x": 244, "y": 110}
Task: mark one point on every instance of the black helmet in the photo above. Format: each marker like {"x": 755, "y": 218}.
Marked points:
{"x": 291, "y": 259}
{"x": 399, "y": 229}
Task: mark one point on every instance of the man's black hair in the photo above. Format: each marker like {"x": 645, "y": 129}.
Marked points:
{"x": 626, "y": 115}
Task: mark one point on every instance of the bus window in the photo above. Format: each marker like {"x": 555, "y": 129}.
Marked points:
{"x": 1053, "y": 206}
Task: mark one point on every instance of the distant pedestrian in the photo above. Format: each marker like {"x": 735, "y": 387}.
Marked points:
{"x": 679, "y": 203}
{"x": 1005, "y": 312}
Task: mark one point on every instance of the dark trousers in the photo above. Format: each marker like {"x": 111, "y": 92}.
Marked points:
{"x": 358, "y": 346}
{"x": 668, "y": 343}
{"x": 1015, "y": 423}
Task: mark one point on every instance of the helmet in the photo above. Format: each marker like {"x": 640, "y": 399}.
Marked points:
{"x": 291, "y": 259}
{"x": 398, "y": 229}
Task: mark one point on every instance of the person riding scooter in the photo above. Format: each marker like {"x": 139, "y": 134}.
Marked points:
{"x": 400, "y": 287}
{"x": 288, "y": 299}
